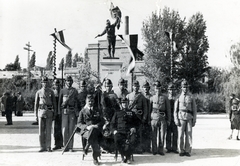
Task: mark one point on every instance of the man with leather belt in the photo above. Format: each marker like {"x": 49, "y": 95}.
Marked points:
{"x": 58, "y": 120}
{"x": 185, "y": 111}
{"x": 147, "y": 125}
{"x": 45, "y": 108}
{"x": 160, "y": 117}
{"x": 90, "y": 121}
{"x": 67, "y": 107}
{"x": 138, "y": 104}
{"x": 172, "y": 132}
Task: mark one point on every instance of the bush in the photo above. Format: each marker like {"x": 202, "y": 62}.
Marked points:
{"x": 210, "y": 102}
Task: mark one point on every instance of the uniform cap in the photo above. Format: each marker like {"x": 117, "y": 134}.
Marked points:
{"x": 69, "y": 78}
{"x": 135, "y": 83}
{"x": 121, "y": 81}
{"x": 44, "y": 79}
{"x": 108, "y": 82}
{"x": 19, "y": 93}
{"x": 83, "y": 83}
{"x": 184, "y": 83}
{"x": 232, "y": 95}
{"x": 146, "y": 84}
{"x": 157, "y": 84}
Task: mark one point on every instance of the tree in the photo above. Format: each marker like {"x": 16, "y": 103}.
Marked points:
{"x": 235, "y": 54}
{"x": 13, "y": 66}
{"x": 167, "y": 34}
{"x": 32, "y": 60}
{"x": 49, "y": 61}
{"x": 75, "y": 60}
{"x": 68, "y": 59}
{"x": 61, "y": 64}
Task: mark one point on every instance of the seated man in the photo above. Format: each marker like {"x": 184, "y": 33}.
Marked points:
{"x": 123, "y": 125}
{"x": 90, "y": 122}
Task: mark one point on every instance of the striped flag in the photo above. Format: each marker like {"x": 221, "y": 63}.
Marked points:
{"x": 60, "y": 37}
{"x": 127, "y": 40}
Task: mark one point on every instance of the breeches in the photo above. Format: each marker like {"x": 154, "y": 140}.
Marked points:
{"x": 172, "y": 137}
{"x": 158, "y": 135}
{"x": 45, "y": 126}
{"x": 185, "y": 136}
{"x": 68, "y": 125}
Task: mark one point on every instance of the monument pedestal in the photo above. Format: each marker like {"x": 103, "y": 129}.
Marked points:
{"x": 110, "y": 68}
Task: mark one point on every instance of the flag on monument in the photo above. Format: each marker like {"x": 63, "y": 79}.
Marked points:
{"x": 116, "y": 12}
{"x": 60, "y": 37}
{"x": 131, "y": 66}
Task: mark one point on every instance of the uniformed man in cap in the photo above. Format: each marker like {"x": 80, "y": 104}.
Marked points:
{"x": 138, "y": 104}
{"x": 185, "y": 118}
{"x": 123, "y": 126}
{"x": 46, "y": 110}
{"x": 172, "y": 132}
{"x": 68, "y": 108}
{"x": 110, "y": 105}
{"x": 147, "y": 124}
{"x": 58, "y": 120}
{"x": 90, "y": 121}
{"x": 160, "y": 118}
{"x": 122, "y": 91}
{"x": 110, "y": 101}
{"x": 82, "y": 94}
{"x": 8, "y": 107}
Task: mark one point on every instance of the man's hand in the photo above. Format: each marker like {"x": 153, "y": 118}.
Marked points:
{"x": 193, "y": 124}
{"x": 115, "y": 132}
{"x": 97, "y": 36}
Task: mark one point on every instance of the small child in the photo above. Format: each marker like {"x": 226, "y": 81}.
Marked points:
{"x": 123, "y": 125}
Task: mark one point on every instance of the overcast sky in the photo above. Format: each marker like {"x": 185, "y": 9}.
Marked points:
{"x": 23, "y": 21}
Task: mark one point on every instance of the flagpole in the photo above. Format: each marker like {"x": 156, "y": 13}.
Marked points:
{"x": 54, "y": 56}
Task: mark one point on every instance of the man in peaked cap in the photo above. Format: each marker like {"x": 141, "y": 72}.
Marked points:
{"x": 58, "y": 120}
{"x": 138, "y": 104}
{"x": 147, "y": 126}
{"x": 122, "y": 91}
{"x": 185, "y": 111}
{"x": 160, "y": 117}
{"x": 46, "y": 110}
{"x": 172, "y": 132}
{"x": 68, "y": 108}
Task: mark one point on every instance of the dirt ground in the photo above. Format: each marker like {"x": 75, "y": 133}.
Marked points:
{"x": 19, "y": 146}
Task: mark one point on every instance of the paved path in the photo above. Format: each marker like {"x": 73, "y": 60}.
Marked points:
{"x": 19, "y": 146}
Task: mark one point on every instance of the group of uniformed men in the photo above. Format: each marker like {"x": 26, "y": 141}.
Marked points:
{"x": 133, "y": 122}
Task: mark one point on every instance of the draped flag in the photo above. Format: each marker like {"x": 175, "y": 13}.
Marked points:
{"x": 171, "y": 37}
{"x": 60, "y": 37}
{"x": 116, "y": 12}
{"x": 130, "y": 45}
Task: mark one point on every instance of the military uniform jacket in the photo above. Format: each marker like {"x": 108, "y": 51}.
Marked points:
{"x": 110, "y": 104}
{"x": 81, "y": 99}
{"x": 185, "y": 108}
{"x": 68, "y": 100}
{"x": 124, "y": 120}
{"x": 148, "y": 96}
{"x": 172, "y": 101}
{"x": 137, "y": 101}
{"x": 160, "y": 103}
{"x": 45, "y": 101}
{"x": 89, "y": 117}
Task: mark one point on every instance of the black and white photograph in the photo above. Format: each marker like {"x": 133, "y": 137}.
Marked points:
{"x": 119, "y": 82}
